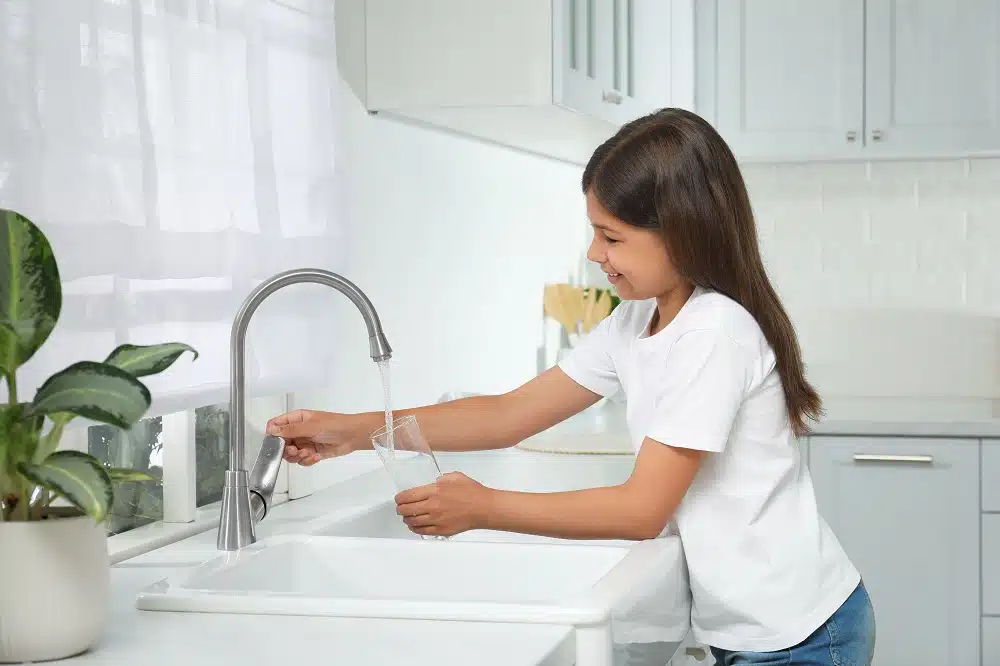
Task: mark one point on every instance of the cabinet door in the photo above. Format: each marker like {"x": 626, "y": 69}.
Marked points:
{"x": 991, "y": 641}
{"x": 790, "y": 77}
{"x": 583, "y": 47}
{"x": 907, "y": 513}
{"x": 654, "y": 65}
{"x": 933, "y": 76}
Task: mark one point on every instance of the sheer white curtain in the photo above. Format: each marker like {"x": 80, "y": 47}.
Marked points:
{"x": 176, "y": 153}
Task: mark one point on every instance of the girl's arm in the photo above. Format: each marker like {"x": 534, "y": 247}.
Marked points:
{"x": 468, "y": 424}
{"x": 496, "y": 421}
{"x": 638, "y": 509}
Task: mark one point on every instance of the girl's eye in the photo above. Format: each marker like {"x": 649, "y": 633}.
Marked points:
{"x": 611, "y": 240}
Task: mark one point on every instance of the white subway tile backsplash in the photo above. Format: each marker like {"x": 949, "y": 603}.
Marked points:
{"x": 908, "y": 234}
{"x": 765, "y": 226}
{"x": 984, "y": 197}
{"x": 984, "y": 228}
{"x": 827, "y": 289}
{"x": 982, "y": 290}
{"x": 945, "y": 256}
{"x": 910, "y": 171}
{"x": 759, "y": 177}
{"x": 784, "y": 190}
{"x": 851, "y": 227}
{"x": 921, "y": 290}
{"x": 987, "y": 168}
{"x": 840, "y": 256}
{"x": 792, "y": 253}
{"x": 945, "y": 195}
{"x": 843, "y": 183}
{"x": 890, "y": 226}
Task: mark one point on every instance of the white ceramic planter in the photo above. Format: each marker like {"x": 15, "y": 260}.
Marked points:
{"x": 54, "y": 588}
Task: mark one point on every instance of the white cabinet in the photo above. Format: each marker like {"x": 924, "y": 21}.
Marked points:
{"x": 906, "y": 510}
{"x": 791, "y": 76}
{"x": 991, "y": 641}
{"x": 847, "y": 78}
{"x": 554, "y": 77}
{"x": 933, "y": 76}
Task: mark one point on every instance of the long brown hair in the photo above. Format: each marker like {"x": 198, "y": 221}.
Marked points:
{"x": 672, "y": 171}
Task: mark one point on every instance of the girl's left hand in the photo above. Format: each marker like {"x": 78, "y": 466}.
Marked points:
{"x": 454, "y": 504}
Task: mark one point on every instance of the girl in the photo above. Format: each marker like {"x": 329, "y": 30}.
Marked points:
{"x": 716, "y": 396}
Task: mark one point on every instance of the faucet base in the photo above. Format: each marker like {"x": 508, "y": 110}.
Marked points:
{"x": 236, "y": 525}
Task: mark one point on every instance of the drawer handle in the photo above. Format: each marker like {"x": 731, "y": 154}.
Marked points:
{"x": 864, "y": 457}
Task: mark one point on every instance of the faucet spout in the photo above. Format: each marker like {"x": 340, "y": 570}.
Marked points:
{"x": 237, "y": 518}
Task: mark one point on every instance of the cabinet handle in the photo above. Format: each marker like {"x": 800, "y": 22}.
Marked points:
{"x": 864, "y": 457}
{"x": 852, "y": 136}
{"x": 611, "y": 97}
{"x": 876, "y": 135}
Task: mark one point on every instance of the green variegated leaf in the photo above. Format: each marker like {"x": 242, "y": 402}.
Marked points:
{"x": 30, "y": 292}
{"x": 121, "y": 475}
{"x": 140, "y": 361}
{"x": 19, "y": 433}
{"x": 95, "y": 391}
{"x": 77, "y": 477}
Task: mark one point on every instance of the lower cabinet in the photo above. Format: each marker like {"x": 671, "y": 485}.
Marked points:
{"x": 907, "y": 512}
{"x": 991, "y": 641}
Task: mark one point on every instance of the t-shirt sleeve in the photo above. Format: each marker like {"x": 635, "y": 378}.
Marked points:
{"x": 704, "y": 382}
{"x": 591, "y": 364}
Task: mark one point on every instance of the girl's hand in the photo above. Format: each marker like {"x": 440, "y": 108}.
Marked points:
{"x": 312, "y": 436}
{"x": 454, "y": 504}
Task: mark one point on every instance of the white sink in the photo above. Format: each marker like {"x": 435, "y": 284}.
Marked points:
{"x": 381, "y": 521}
{"x": 504, "y": 470}
{"x": 415, "y": 579}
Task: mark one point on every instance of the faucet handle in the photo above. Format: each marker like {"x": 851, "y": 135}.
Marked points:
{"x": 264, "y": 475}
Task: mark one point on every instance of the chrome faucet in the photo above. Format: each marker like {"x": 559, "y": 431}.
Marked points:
{"x": 246, "y": 497}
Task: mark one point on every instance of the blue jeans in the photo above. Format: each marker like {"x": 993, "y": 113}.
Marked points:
{"x": 846, "y": 639}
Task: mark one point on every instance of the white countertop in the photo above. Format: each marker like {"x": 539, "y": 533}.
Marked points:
{"x": 133, "y": 637}
{"x": 910, "y": 417}
{"x": 603, "y": 429}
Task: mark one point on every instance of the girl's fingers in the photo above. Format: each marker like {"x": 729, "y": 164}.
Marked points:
{"x": 422, "y": 520}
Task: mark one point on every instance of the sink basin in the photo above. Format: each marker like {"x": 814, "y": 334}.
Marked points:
{"x": 382, "y": 521}
{"x": 504, "y": 470}
{"x": 313, "y": 575}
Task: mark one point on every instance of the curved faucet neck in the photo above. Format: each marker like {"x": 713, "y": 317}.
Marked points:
{"x": 379, "y": 346}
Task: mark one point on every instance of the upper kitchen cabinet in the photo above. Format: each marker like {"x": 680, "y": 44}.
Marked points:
{"x": 933, "y": 76}
{"x": 790, "y": 76}
{"x": 851, "y": 78}
{"x": 554, "y": 77}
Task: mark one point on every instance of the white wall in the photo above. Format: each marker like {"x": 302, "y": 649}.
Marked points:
{"x": 452, "y": 240}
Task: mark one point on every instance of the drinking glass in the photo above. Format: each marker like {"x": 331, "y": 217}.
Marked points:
{"x": 406, "y": 456}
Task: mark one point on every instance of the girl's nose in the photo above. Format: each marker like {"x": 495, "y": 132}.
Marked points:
{"x": 594, "y": 253}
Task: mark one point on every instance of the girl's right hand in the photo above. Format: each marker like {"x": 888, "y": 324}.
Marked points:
{"x": 311, "y": 436}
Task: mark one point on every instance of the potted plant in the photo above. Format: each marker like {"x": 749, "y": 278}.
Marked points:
{"x": 54, "y": 570}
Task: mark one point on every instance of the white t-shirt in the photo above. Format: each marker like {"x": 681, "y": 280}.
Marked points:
{"x": 765, "y": 568}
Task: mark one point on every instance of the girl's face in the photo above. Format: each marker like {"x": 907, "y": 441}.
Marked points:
{"x": 635, "y": 260}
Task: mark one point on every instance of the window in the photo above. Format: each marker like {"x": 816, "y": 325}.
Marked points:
{"x": 175, "y": 156}
{"x": 140, "y": 449}
{"x": 211, "y": 441}
{"x": 188, "y": 452}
